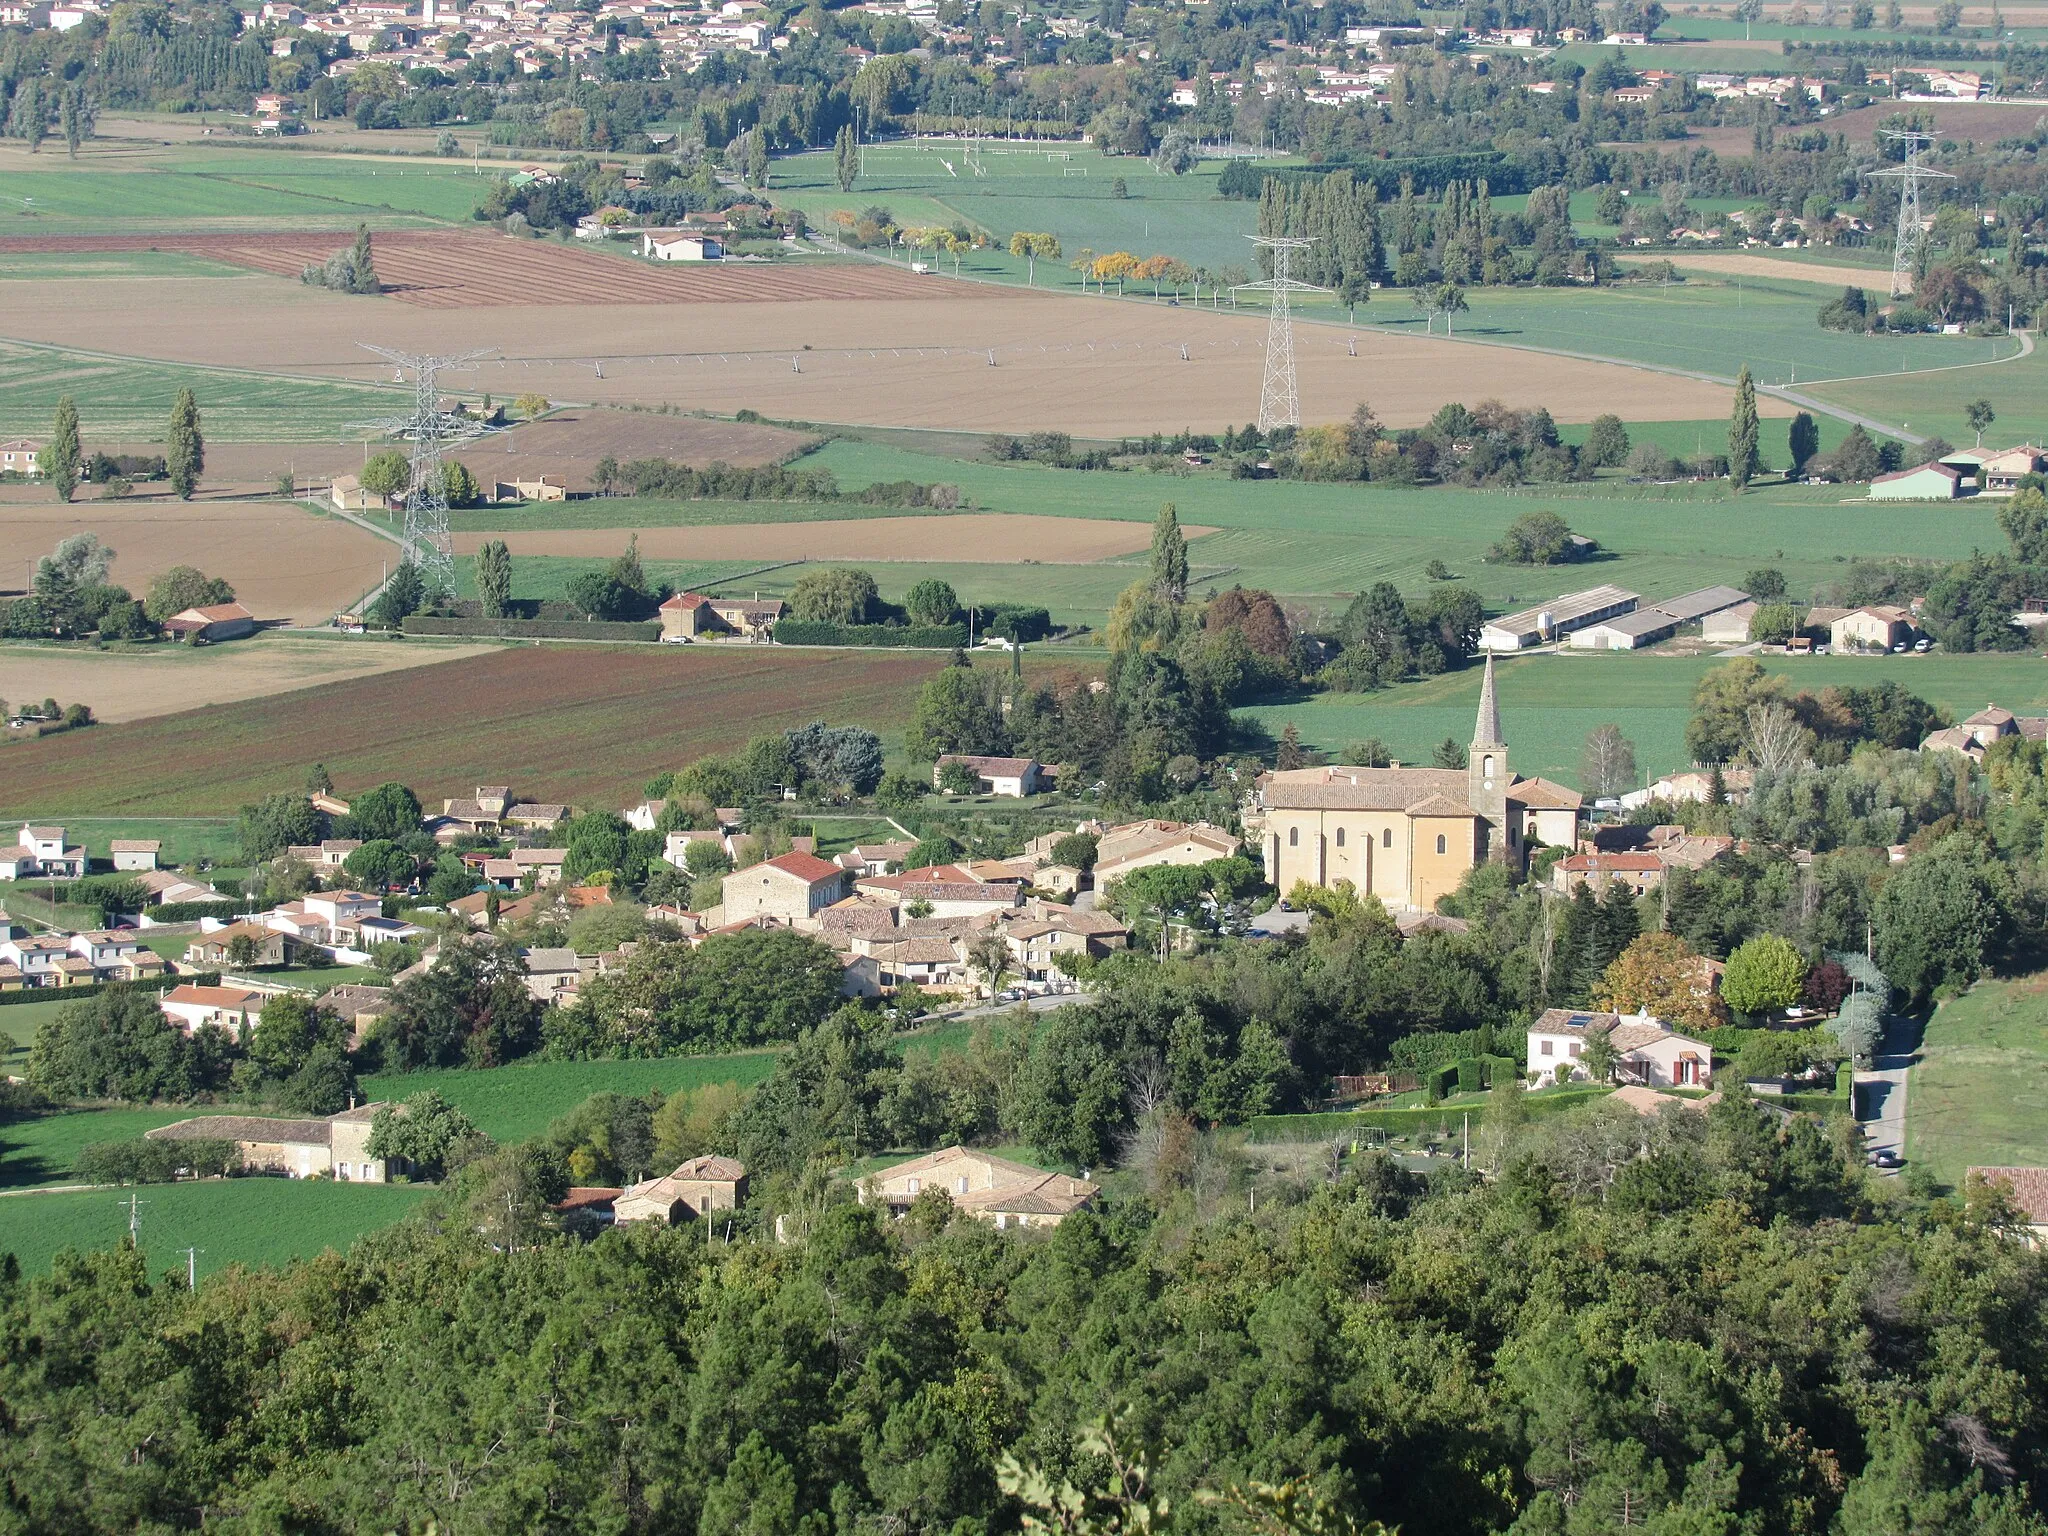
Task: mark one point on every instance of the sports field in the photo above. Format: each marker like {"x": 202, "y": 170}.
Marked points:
{"x": 1550, "y": 704}
{"x": 1979, "y": 1096}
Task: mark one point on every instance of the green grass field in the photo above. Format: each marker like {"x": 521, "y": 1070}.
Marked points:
{"x": 125, "y": 399}
{"x": 209, "y": 188}
{"x": 1065, "y": 191}
{"x": 516, "y": 1102}
{"x": 548, "y": 577}
{"x": 18, "y": 1025}
{"x": 1546, "y": 713}
{"x": 1980, "y": 1093}
{"x": 43, "y": 1149}
{"x": 252, "y": 1222}
{"x": 185, "y": 839}
{"x": 2018, "y": 391}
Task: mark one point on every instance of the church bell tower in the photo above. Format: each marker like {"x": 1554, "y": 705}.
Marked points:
{"x": 1487, "y": 770}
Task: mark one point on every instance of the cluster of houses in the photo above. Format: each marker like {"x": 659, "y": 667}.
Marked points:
{"x": 1963, "y": 472}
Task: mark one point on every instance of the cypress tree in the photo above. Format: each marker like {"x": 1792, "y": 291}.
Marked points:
{"x": 185, "y": 453}
{"x": 362, "y": 270}
{"x": 494, "y": 578}
{"x": 846, "y": 158}
{"x": 1169, "y": 555}
{"x": 60, "y": 459}
{"x": 1743, "y": 459}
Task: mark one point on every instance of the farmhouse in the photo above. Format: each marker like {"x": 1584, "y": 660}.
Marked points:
{"x": 1143, "y": 844}
{"x": 1639, "y": 872}
{"x": 328, "y": 853}
{"x": 2003, "y": 471}
{"x": 1871, "y": 629}
{"x": 21, "y": 456}
{"x": 1407, "y": 835}
{"x": 1557, "y": 619}
{"x": 336, "y": 1147}
{"x": 1011, "y": 777}
{"x": 677, "y": 246}
{"x": 702, "y": 1184}
{"x": 792, "y": 888}
{"x": 531, "y": 488}
{"x": 1932, "y": 481}
{"x": 991, "y": 1188}
{"x": 1648, "y": 1050}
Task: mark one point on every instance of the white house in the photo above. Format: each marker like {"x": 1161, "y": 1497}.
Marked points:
{"x": 681, "y": 247}
{"x": 190, "y": 1007}
{"x": 40, "y": 851}
{"x": 36, "y": 959}
{"x": 136, "y": 853}
{"x": 1014, "y": 777}
{"x": 1648, "y": 1051}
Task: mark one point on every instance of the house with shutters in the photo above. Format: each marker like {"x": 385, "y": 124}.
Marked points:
{"x": 989, "y": 1188}
{"x": 792, "y": 888}
{"x": 1648, "y": 1051}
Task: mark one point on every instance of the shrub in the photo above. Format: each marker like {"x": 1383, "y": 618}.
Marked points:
{"x": 146, "y": 1161}
{"x": 1763, "y": 975}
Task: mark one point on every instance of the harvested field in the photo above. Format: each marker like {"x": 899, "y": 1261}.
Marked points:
{"x": 1094, "y": 367}
{"x": 570, "y": 443}
{"x": 444, "y": 269}
{"x": 973, "y": 538}
{"x": 137, "y": 685}
{"x": 584, "y": 724}
{"x": 1739, "y": 264}
{"x": 282, "y": 561}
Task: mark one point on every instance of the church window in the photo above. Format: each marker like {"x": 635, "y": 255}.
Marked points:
{"x": 1439, "y": 842}
{"x": 1294, "y": 837}
{"x": 1386, "y": 837}
{"x": 1487, "y": 770}
{"x": 1340, "y": 837}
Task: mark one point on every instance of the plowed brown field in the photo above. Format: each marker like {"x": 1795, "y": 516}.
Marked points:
{"x": 444, "y": 269}
{"x": 582, "y": 724}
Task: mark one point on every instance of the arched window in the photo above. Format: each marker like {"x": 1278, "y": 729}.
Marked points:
{"x": 1386, "y": 837}
{"x": 1439, "y": 842}
{"x": 1340, "y": 837}
{"x": 1294, "y": 837}
{"x": 1487, "y": 770}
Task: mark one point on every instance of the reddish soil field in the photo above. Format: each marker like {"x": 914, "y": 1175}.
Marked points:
{"x": 584, "y": 724}
{"x": 445, "y": 269}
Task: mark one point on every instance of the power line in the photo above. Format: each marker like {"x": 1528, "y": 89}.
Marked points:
{"x": 1906, "y": 244}
{"x": 432, "y": 431}
{"x": 1279, "y": 392}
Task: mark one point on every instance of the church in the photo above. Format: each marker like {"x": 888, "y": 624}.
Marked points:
{"x": 1408, "y": 835}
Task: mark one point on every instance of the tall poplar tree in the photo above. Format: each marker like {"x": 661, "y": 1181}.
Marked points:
{"x": 494, "y": 578}
{"x": 1743, "y": 459}
{"x": 1169, "y": 555}
{"x": 60, "y": 459}
{"x": 185, "y": 450}
{"x": 846, "y": 158}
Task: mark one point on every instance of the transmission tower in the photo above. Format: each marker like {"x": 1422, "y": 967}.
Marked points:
{"x": 1279, "y": 396}
{"x": 1906, "y": 247}
{"x": 432, "y": 432}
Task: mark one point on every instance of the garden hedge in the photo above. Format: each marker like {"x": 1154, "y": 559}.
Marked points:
{"x": 923, "y": 637}
{"x": 193, "y": 911}
{"x": 1323, "y": 1127}
{"x": 534, "y": 629}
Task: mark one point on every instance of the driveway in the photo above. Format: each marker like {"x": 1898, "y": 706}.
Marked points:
{"x": 1881, "y": 1092}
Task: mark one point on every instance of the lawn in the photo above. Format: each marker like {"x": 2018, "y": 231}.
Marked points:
{"x": 2018, "y": 391}
{"x": 185, "y": 839}
{"x": 1980, "y": 1094}
{"x": 547, "y": 577}
{"x": 129, "y": 399}
{"x": 43, "y": 1149}
{"x": 18, "y": 1025}
{"x": 517, "y": 1102}
{"x": 230, "y": 1221}
{"x": 1546, "y": 716}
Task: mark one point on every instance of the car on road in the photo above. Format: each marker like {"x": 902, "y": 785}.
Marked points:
{"x": 1885, "y": 1157}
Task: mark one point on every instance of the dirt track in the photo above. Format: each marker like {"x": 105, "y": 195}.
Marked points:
{"x": 282, "y": 562}
{"x": 968, "y": 537}
{"x": 1094, "y": 367}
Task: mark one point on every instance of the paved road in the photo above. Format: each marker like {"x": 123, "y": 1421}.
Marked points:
{"x": 1881, "y": 1092}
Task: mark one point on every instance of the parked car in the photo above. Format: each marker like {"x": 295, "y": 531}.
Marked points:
{"x": 1900, "y": 649}
{"x": 1885, "y": 1157}
{"x": 1923, "y": 645}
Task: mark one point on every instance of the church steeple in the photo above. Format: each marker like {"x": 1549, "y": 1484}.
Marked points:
{"x": 1487, "y": 768}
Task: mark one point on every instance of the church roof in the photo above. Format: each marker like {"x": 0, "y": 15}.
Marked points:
{"x": 1362, "y": 789}
{"x": 1486, "y": 729}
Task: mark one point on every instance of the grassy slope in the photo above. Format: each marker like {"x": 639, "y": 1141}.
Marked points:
{"x": 1980, "y": 1093}
{"x": 253, "y": 1222}
{"x": 222, "y": 188}
{"x": 2018, "y": 391}
{"x": 1549, "y": 704}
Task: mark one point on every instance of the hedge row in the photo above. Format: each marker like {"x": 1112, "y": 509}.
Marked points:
{"x": 931, "y": 637}
{"x": 56, "y": 994}
{"x": 193, "y": 911}
{"x": 143, "y": 1161}
{"x": 1323, "y": 1127}
{"x": 1841, "y": 1102}
{"x": 533, "y": 629}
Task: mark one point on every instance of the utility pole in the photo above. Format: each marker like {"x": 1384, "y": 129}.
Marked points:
{"x": 135, "y": 1204}
{"x": 192, "y": 1269}
{"x": 1279, "y": 394}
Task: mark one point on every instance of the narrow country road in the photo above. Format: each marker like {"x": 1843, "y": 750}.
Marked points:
{"x": 1881, "y": 1092}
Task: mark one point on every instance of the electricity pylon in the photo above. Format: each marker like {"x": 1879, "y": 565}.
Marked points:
{"x": 1906, "y": 245}
{"x": 431, "y": 431}
{"x": 1279, "y": 395}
